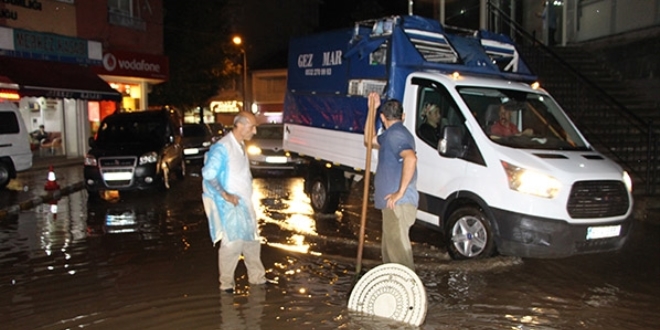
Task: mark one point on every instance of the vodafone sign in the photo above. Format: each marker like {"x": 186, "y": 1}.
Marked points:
{"x": 129, "y": 64}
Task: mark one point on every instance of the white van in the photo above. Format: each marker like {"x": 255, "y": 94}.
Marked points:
{"x": 15, "y": 153}
{"x": 506, "y": 171}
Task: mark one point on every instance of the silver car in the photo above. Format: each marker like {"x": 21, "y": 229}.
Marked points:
{"x": 266, "y": 153}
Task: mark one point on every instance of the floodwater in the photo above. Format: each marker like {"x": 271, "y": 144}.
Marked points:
{"x": 145, "y": 261}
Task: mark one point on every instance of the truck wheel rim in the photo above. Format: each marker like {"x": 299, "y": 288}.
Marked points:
{"x": 469, "y": 236}
{"x": 318, "y": 194}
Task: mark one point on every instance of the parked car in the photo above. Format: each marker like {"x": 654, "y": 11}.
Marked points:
{"x": 266, "y": 153}
{"x": 135, "y": 151}
{"x": 197, "y": 139}
{"x": 218, "y": 129}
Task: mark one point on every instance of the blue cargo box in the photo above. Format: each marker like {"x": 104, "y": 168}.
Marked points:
{"x": 330, "y": 73}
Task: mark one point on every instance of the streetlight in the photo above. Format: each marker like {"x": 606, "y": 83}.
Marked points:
{"x": 238, "y": 41}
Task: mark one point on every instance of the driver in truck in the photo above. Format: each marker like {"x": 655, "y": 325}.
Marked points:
{"x": 504, "y": 127}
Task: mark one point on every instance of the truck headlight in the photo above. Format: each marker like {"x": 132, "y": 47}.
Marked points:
{"x": 90, "y": 160}
{"x": 627, "y": 181}
{"x": 531, "y": 182}
{"x": 149, "y": 157}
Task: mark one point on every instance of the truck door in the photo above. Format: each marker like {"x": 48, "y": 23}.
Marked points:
{"x": 438, "y": 176}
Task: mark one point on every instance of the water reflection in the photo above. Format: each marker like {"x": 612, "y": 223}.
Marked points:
{"x": 141, "y": 214}
{"x": 64, "y": 270}
{"x": 283, "y": 203}
{"x": 243, "y": 311}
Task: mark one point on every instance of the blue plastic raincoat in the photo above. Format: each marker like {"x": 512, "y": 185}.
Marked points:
{"x": 226, "y": 167}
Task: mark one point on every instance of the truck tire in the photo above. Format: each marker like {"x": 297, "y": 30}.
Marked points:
{"x": 469, "y": 234}
{"x": 322, "y": 200}
{"x": 4, "y": 175}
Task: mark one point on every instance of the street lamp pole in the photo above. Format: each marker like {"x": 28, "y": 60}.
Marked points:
{"x": 238, "y": 41}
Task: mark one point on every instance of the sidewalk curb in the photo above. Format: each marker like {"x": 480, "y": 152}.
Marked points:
{"x": 46, "y": 197}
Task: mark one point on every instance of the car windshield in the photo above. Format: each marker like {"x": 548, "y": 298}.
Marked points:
{"x": 123, "y": 131}
{"x": 270, "y": 132}
{"x": 194, "y": 130}
{"x": 521, "y": 119}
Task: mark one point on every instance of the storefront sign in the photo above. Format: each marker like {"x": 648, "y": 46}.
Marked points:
{"x": 129, "y": 64}
{"x": 43, "y": 43}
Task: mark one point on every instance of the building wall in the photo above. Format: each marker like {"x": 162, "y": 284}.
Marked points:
{"x": 94, "y": 23}
{"x": 44, "y": 16}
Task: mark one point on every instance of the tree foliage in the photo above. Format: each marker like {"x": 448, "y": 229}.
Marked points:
{"x": 196, "y": 42}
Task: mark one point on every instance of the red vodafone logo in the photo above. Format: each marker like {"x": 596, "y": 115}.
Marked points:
{"x": 109, "y": 62}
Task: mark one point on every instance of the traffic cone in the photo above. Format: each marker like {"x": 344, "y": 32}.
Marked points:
{"x": 51, "y": 184}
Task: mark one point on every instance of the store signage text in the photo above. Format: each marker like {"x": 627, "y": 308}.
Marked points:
{"x": 11, "y": 14}
{"x": 49, "y": 44}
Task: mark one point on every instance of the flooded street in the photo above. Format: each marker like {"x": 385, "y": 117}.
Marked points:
{"x": 146, "y": 261}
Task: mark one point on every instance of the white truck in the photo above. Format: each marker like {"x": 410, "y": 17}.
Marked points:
{"x": 541, "y": 190}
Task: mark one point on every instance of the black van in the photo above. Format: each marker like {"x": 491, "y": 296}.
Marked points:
{"x": 135, "y": 150}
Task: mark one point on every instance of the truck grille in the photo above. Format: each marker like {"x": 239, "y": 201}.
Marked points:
{"x": 597, "y": 199}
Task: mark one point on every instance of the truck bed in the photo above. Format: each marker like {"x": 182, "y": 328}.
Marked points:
{"x": 334, "y": 146}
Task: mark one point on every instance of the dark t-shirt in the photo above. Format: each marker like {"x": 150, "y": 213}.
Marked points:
{"x": 392, "y": 142}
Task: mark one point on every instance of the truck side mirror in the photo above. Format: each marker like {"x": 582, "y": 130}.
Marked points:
{"x": 91, "y": 142}
{"x": 451, "y": 145}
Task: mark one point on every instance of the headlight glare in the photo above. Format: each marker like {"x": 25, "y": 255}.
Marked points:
{"x": 90, "y": 160}
{"x": 149, "y": 157}
{"x": 254, "y": 150}
{"x": 531, "y": 182}
{"x": 627, "y": 181}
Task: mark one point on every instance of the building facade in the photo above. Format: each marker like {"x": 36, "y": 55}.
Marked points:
{"x": 68, "y": 64}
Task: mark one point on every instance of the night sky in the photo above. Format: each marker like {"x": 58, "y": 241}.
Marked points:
{"x": 343, "y": 13}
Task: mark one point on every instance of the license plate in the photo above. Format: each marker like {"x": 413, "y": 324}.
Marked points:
{"x": 276, "y": 159}
{"x": 190, "y": 151}
{"x": 603, "y": 231}
{"x": 117, "y": 176}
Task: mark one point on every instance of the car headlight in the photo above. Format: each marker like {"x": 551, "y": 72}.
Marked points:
{"x": 149, "y": 157}
{"x": 254, "y": 150}
{"x": 531, "y": 182}
{"x": 206, "y": 143}
{"x": 90, "y": 160}
{"x": 627, "y": 181}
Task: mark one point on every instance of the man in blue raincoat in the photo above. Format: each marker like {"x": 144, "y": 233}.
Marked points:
{"x": 227, "y": 197}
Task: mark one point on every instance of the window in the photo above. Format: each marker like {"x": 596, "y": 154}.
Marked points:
{"x": 121, "y": 6}
{"x": 435, "y": 110}
{"x": 8, "y": 123}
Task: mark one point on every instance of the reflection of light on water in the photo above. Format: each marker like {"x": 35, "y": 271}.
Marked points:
{"x": 299, "y": 201}
{"x": 296, "y": 244}
{"x": 286, "y": 200}
{"x": 525, "y": 319}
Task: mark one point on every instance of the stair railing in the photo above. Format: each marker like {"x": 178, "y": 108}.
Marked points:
{"x": 609, "y": 125}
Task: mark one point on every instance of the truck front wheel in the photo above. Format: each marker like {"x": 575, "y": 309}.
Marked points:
{"x": 322, "y": 200}
{"x": 470, "y": 235}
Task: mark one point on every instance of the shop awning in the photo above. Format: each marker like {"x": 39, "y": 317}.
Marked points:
{"x": 56, "y": 79}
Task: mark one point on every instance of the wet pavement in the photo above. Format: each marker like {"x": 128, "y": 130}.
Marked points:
{"x": 145, "y": 261}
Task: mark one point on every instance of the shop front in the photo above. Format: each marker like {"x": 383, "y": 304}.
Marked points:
{"x": 56, "y": 100}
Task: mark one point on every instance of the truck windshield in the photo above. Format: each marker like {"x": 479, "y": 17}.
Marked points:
{"x": 521, "y": 119}
{"x": 127, "y": 131}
